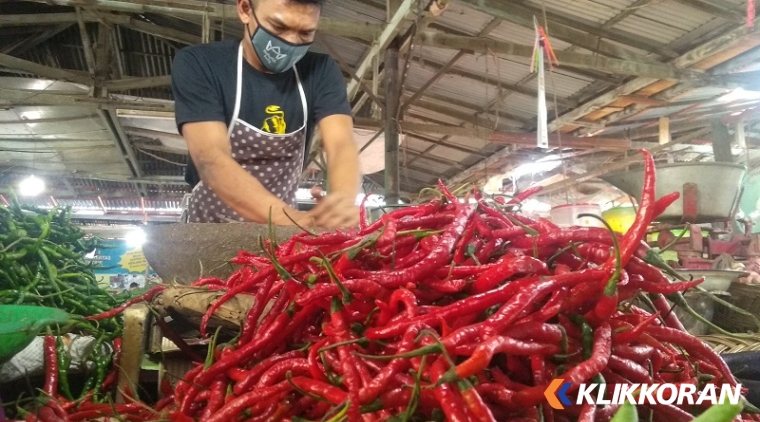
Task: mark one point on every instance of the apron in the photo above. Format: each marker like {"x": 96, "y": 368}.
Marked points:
{"x": 275, "y": 160}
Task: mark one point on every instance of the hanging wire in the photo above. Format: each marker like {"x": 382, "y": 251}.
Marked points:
{"x": 563, "y": 165}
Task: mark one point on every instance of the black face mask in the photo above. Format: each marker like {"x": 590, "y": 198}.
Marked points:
{"x": 276, "y": 54}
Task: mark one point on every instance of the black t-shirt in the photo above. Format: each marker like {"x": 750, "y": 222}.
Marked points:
{"x": 204, "y": 78}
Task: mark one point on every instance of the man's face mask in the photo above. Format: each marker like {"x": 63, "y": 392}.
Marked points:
{"x": 276, "y": 54}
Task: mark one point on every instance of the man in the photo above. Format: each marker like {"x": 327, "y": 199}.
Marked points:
{"x": 248, "y": 110}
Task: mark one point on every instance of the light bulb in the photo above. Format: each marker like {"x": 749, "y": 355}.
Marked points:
{"x": 31, "y": 186}
{"x": 135, "y": 238}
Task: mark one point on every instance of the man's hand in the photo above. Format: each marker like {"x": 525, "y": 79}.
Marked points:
{"x": 336, "y": 211}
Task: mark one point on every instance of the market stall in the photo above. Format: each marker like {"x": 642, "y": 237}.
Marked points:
{"x": 459, "y": 307}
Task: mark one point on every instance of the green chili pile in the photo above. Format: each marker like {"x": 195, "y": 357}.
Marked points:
{"x": 443, "y": 311}
{"x": 42, "y": 263}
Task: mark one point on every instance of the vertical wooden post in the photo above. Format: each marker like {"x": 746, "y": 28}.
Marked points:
{"x": 392, "y": 103}
{"x": 721, "y": 142}
{"x": 664, "y": 130}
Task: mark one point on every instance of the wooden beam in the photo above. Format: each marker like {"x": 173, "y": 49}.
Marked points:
{"x": 127, "y": 84}
{"x": 18, "y": 97}
{"x": 393, "y": 91}
{"x": 15, "y": 63}
{"x": 89, "y": 53}
{"x": 640, "y": 99}
{"x": 196, "y": 9}
{"x": 566, "y": 32}
{"x": 574, "y": 142}
{"x": 566, "y": 59}
{"x": 386, "y": 36}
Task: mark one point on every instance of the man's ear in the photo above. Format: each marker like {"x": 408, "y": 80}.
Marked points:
{"x": 244, "y": 11}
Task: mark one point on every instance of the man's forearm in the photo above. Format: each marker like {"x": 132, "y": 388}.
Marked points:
{"x": 242, "y": 192}
{"x": 343, "y": 170}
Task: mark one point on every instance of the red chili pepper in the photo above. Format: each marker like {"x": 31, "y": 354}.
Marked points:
{"x": 364, "y": 287}
{"x": 693, "y": 346}
{"x": 347, "y": 362}
{"x": 116, "y": 311}
{"x": 638, "y": 230}
{"x": 252, "y": 318}
{"x": 231, "y": 410}
{"x": 563, "y": 238}
{"x": 447, "y": 193}
{"x": 474, "y": 402}
{"x": 255, "y": 373}
{"x": 436, "y": 258}
{"x": 527, "y": 193}
{"x": 245, "y": 352}
{"x": 550, "y": 309}
{"x": 216, "y": 397}
{"x": 664, "y": 202}
{"x": 506, "y": 268}
{"x": 665, "y": 309}
{"x": 115, "y": 365}
{"x": 666, "y": 289}
{"x": 578, "y": 374}
{"x": 629, "y": 369}
{"x": 588, "y": 413}
{"x": 277, "y": 372}
{"x": 389, "y": 232}
{"x": 461, "y": 246}
{"x": 512, "y": 232}
{"x": 670, "y": 413}
{"x": 51, "y": 367}
{"x": 633, "y": 334}
{"x": 508, "y": 312}
{"x": 326, "y": 391}
{"x": 485, "y": 351}
{"x": 637, "y": 353}
{"x": 452, "y": 405}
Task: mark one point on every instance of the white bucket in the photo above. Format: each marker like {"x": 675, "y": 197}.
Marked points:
{"x": 567, "y": 215}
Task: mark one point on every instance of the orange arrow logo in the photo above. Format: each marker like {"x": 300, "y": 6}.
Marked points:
{"x": 551, "y": 394}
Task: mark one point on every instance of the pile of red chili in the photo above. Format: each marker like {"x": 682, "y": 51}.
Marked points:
{"x": 445, "y": 310}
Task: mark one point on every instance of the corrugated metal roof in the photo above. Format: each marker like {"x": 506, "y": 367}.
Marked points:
{"x": 665, "y": 21}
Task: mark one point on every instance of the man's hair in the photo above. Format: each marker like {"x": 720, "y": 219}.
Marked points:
{"x": 314, "y": 2}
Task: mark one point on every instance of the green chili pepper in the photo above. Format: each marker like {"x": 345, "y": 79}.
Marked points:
{"x": 723, "y": 412}
{"x": 626, "y": 413}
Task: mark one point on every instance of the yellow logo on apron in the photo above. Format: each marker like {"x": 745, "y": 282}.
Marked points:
{"x": 275, "y": 123}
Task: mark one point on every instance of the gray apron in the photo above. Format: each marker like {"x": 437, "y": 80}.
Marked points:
{"x": 275, "y": 160}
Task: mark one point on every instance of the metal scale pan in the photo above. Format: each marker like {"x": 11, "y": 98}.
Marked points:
{"x": 711, "y": 190}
